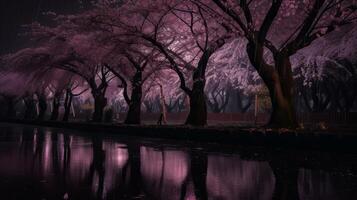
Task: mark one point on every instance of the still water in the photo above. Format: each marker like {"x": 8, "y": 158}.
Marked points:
{"x": 47, "y": 163}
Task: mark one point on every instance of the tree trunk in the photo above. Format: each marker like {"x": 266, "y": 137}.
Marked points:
{"x": 29, "y": 109}
{"x": 243, "y": 108}
{"x": 42, "y": 104}
{"x": 283, "y": 114}
{"x": 55, "y": 109}
{"x": 133, "y": 116}
{"x": 198, "y": 108}
{"x": 163, "y": 106}
{"x": 213, "y": 106}
{"x": 67, "y": 106}
{"x": 282, "y": 95}
{"x": 279, "y": 80}
{"x": 99, "y": 104}
{"x": 11, "y": 112}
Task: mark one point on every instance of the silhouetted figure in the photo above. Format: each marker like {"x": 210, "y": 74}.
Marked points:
{"x": 159, "y": 122}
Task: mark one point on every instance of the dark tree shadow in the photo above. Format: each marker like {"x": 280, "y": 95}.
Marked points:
{"x": 198, "y": 174}
{"x": 286, "y": 178}
{"x": 97, "y": 166}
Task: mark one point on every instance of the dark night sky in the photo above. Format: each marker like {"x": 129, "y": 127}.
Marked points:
{"x": 14, "y": 13}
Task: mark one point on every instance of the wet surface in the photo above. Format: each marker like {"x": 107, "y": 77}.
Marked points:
{"x": 46, "y": 163}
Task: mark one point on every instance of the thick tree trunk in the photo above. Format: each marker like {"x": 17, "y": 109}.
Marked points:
{"x": 283, "y": 113}
{"x": 133, "y": 116}
{"x": 198, "y": 108}
{"x": 282, "y": 95}
{"x": 279, "y": 80}
{"x": 99, "y": 104}
{"x": 55, "y": 108}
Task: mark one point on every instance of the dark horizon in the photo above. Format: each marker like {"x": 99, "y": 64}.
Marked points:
{"x": 16, "y": 13}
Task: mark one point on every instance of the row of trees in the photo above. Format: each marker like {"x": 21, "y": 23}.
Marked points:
{"x": 135, "y": 47}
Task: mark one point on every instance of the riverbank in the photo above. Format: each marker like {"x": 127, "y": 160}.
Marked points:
{"x": 330, "y": 139}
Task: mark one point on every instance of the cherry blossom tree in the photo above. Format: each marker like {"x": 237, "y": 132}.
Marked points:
{"x": 57, "y": 93}
{"x": 133, "y": 70}
{"x": 327, "y": 84}
{"x": 73, "y": 88}
{"x": 30, "y": 107}
{"x": 41, "y": 96}
{"x": 217, "y": 90}
{"x": 65, "y": 46}
{"x": 33, "y": 83}
{"x": 326, "y": 71}
{"x": 164, "y": 88}
{"x": 231, "y": 74}
{"x": 162, "y": 52}
{"x": 282, "y": 28}
{"x": 180, "y": 31}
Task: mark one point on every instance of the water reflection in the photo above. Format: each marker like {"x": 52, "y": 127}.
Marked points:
{"x": 38, "y": 163}
{"x": 230, "y": 177}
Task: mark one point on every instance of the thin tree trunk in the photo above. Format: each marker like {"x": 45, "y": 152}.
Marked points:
{"x": 67, "y": 106}
{"x": 55, "y": 109}
{"x": 42, "y": 108}
{"x": 163, "y": 106}
{"x": 213, "y": 106}
{"x": 198, "y": 108}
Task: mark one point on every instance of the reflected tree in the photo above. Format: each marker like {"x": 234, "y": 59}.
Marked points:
{"x": 286, "y": 178}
